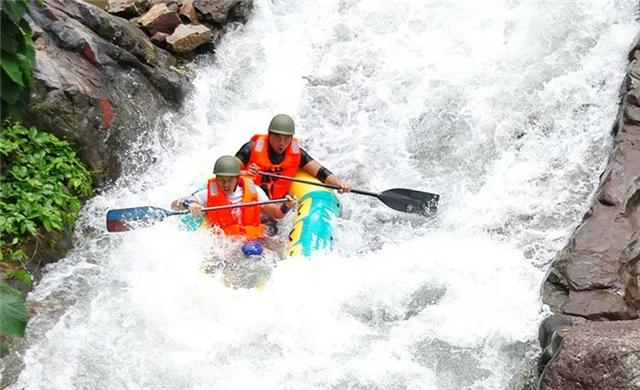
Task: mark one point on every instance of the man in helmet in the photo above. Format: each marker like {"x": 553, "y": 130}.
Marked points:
{"x": 228, "y": 187}
{"x": 279, "y": 152}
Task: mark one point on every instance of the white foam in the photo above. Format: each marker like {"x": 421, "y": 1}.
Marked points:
{"x": 502, "y": 107}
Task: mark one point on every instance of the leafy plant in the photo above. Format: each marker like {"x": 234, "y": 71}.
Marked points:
{"x": 39, "y": 188}
{"x": 40, "y": 176}
{"x": 16, "y": 58}
{"x": 13, "y": 316}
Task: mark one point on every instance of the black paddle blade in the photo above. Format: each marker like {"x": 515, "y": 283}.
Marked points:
{"x": 122, "y": 220}
{"x": 410, "y": 201}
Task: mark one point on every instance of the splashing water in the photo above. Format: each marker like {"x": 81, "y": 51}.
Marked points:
{"x": 502, "y": 107}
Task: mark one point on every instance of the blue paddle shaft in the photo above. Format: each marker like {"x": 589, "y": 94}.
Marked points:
{"x": 119, "y": 220}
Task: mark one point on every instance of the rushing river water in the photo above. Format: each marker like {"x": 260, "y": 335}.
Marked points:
{"x": 502, "y": 107}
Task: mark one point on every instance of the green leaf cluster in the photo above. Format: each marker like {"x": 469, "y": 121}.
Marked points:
{"x": 13, "y": 316}
{"x": 41, "y": 184}
{"x": 16, "y": 58}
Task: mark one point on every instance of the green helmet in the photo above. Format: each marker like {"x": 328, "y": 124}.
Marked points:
{"x": 227, "y": 166}
{"x": 282, "y": 124}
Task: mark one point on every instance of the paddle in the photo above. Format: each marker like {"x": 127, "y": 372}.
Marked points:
{"x": 401, "y": 199}
{"x": 121, "y": 220}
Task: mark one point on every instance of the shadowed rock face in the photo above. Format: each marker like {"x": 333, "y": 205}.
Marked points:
{"x": 596, "y": 276}
{"x": 99, "y": 81}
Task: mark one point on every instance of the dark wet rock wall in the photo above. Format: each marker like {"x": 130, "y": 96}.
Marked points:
{"x": 591, "y": 341}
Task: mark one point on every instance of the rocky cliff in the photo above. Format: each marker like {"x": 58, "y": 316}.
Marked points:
{"x": 592, "y": 287}
{"x": 103, "y": 81}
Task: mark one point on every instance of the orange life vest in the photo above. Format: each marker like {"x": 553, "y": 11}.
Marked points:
{"x": 248, "y": 224}
{"x": 288, "y": 167}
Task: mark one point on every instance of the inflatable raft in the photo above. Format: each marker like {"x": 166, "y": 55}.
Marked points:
{"x": 312, "y": 228}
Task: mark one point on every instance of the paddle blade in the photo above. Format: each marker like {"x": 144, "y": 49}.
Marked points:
{"x": 121, "y": 220}
{"x": 410, "y": 201}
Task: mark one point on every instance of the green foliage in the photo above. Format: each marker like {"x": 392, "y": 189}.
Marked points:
{"x": 13, "y": 316}
{"x": 21, "y": 275}
{"x": 13, "y": 312}
{"x": 16, "y": 58}
{"x": 4, "y": 349}
{"x": 39, "y": 188}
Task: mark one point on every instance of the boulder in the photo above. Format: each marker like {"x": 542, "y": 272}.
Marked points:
{"x": 188, "y": 37}
{"x": 594, "y": 356}
{"x": 598, "y": 305}
{"x": 98, "y": 82}
{"x": 126, "y": 8}
{"x": 224, "y": 11}
{"x": 188, "y": 13}
{"x": 160, "y": 18}
{"x": 160, "y": 39}
{"x": 102, "y": 4}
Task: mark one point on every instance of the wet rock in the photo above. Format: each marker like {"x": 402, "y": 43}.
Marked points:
{"x": 426, "y": 295}
{"x": 115, "y": 31}
{"x": 597, "y": 275}
{"x": 45, "y": 248}
{"x": 592, "y": 270}
{"x": 99, "y": 82}
{"x": 241, "y": 11}
{"x": 595, "y": 356}
{"x": 160, "y": 39}
{"x": 630, "y": 272}
{"x": 160, "y": 18}
{"x": 632, "y": 115}
{"x": 126, "y": 8}
{"x": 223, "y": 11}
{"x": 551, "y": 325}
{"x": 594, "y": 259}
{"x": 599, "y": 305}
{"x": 188, "y": 37}
{"x": 102, "y": 4}
{"x": 188, "y": 13}
{"x": 151, "y": 3}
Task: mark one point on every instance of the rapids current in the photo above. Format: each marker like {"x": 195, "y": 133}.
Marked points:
{"x": 503, "y": 107}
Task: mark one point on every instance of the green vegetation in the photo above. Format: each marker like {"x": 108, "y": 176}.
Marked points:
{"x": 41, "y": 179}
{"x": 40, "y": 185}
{"x": 16, "y": 58}
{"x": 13, "y": 316}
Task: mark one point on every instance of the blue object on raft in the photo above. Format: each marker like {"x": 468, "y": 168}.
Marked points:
{"x": 252, "y": 248}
